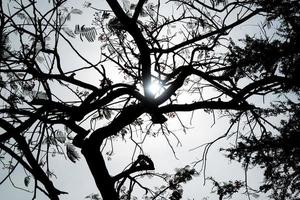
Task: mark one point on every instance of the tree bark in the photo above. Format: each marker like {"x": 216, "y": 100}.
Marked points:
{"x": 95, "y": 161}
{"x": 91, "y": 149}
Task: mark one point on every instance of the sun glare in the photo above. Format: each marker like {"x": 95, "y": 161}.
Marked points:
{"x": 155, "y": 88}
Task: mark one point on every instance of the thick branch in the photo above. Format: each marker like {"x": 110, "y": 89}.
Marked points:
{"x": 127, "y": 116}
{"x": 138, "y": 9}
{"x": 142, "y": 163}
{"x": 133, "y": 29}
{"x": 94, "y": 158}
{"x": 85, "y": 108}
{"x": 99, "y": 171}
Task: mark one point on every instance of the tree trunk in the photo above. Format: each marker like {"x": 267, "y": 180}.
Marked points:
{"x": 95, "y": 161}
{"x": 91, "y": 150}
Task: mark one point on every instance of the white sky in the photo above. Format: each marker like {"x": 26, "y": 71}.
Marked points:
{"x": 76, "y": 178}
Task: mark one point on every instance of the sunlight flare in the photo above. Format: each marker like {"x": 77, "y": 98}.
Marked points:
{"x": 155, "y": 88}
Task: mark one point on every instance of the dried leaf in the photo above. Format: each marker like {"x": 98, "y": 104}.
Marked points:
{"x": 40, "y": 59}
{"x": 138, "y": 122}
{"x": 105, "y": 15}
{"x": 111, "y": 49}
{"x": 87, "y": 4}
{"x": 143, "y": 13}
{"x": 76, "y": 11}
{"x": 60, "y": 136}
{"x": 68, "y": 17}
{"x": 50, "y": 140}
{"x": 23, "y": 16}
{"x": 126, "y": 5}
{"x": 168, "y": 31}
{"x": 69, "y": 32}
{"x": 151, "y": 9}
{"x": 132, "y": 6}
{"x": 89, "y": 33}
{"x": 107, "y": 113}
{"x": 72, "y": 153}
{"x": 93, "y": 197}
{"x": 2, "y": 83}
{"x": 68, "y": 130}
{"x": 27, "y": 181}
{"x": 41, "y": 95}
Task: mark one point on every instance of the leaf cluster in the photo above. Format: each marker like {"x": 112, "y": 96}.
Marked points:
{"x": 278, "y": 155}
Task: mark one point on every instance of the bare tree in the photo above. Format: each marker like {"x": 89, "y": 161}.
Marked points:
{"x": 185, "y": 50}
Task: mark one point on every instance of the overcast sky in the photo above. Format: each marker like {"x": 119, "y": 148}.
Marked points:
{"x": 76, "y": 178}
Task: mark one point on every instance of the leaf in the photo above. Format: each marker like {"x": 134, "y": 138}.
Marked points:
{"x": 107, "y": 113}
{"x": 41, "y": 95}
{"x": 76, "y": 11}
{"x": 72, "y": 153}
{"x": 69, "y": 32}
{"x": 13, "y": 99}
{"x": 27, "y": 181}
{"x": 124, "y": 131}
{"x": 13, "y": 85}
{"x": 105, "y": 15}
{"x": 2, "y": 83}
{"x": 87, "y": 4}
{"x": 115, "y": 26}
{"x": 50, "y": 140}
{"x": 27, "y": 86}
{"x": 191, "y": 24}
{"x": 68, "y": 130}
{"x": 132, "y": 6}
{"x": 126, "y": 5}
{"x": 68, "y": 17}
{"x": 103, "y": 46}
{"x": 98, "y": 115}
{"x": 40, "y": 59}
{"x": 50, "y": 174}
{"x": 254, "y": 195}
{"x": 23, "y": 16}
{"x": 89, "y": 33}
{"x": 138, "y": 122}
{"x": 53, "y": 153}
{"x": 93, "y": 197}
{"x": 143, "y": 13}
{"x": 168, "y": 31}
{"x": 103, "y": 38}
{"x": 62, "y": 19}
{"x": 151, "y": 9}
{"x": 111, "y": 49}
{"x": 60, "y": 136}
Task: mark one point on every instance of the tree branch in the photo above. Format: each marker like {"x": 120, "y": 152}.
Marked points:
{"x": 206, "y": 105}
{"x": 138, "y": 9}
{"x": 207, "y": 35}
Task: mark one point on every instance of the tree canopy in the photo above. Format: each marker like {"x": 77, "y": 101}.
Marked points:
{"x": 156, "y": 59}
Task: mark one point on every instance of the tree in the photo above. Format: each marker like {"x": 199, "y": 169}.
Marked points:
{"x": 186, "y": 52}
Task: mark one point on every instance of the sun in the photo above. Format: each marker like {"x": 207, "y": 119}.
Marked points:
{"x": 155, "y": 88}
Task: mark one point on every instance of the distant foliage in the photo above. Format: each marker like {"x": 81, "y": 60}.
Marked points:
{"x": 277, "y": 155}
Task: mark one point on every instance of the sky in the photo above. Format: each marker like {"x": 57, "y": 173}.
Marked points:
{"x": 76, "y": 179}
